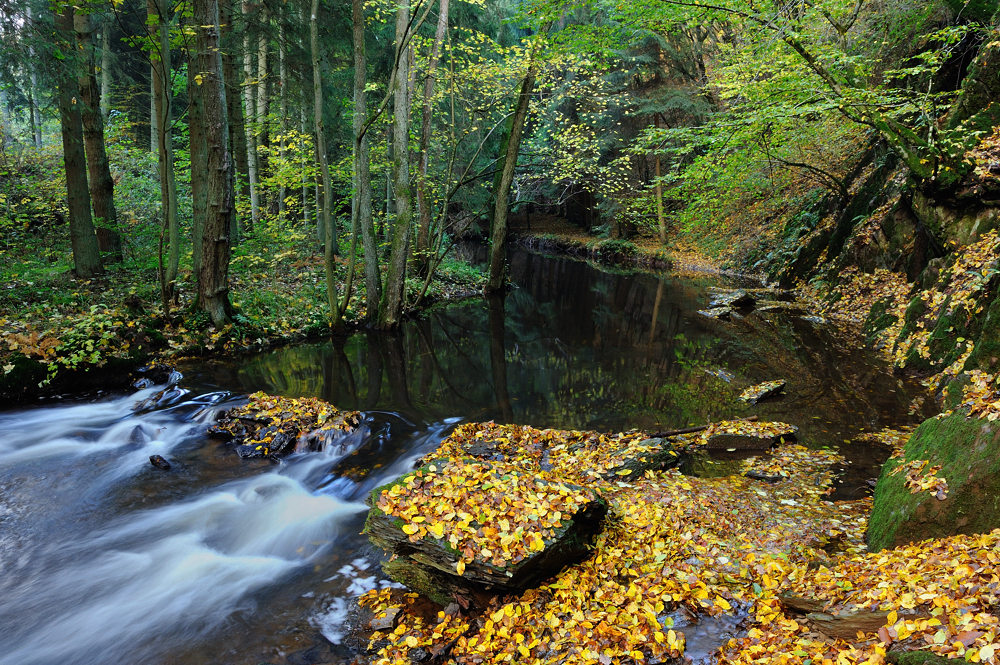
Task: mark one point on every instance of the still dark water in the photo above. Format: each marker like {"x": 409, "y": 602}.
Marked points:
{"x": 107, "y": 559}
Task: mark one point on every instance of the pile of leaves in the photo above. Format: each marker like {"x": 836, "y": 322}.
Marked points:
{"x": 485, "y": 510}
{"x": 981, "y": 396}
{"x": 271, "y": 426}
{"x": 701, "y": 547}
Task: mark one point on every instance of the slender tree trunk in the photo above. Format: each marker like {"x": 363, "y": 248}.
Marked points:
{"x": 160, "y": 35}
{"x": 423, "y": 190}
{"x": 213, "y": 281}
{"x": 154, "y": 120}
{"x": 106, "y": 69}
{"x": 33, "y": 103}
{"x": 102, "y": 186}
{"x": 234, "y": 109}
{"x": 661, "y": 222}
{"x": 263, "y": 100}
{"x": 249, "y": 102}
{"x": 391, "y": 306}
{"x": 362, "y": 199}
{"x": 86, "y": 254}
{"x": 330, "y": 229}
{"x": 283, "y": 110}
{"x": 304, "y": 129}
{"x": 199, "y": 163}
{"x": 498, "y": 242}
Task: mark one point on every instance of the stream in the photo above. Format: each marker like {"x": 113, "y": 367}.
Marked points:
{"x": 219, "y": 560}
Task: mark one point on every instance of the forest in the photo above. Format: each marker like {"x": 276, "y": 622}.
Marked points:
{"x": 651, "y": 332}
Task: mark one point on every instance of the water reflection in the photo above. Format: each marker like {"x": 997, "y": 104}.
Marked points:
{"x": 576, "y": 347}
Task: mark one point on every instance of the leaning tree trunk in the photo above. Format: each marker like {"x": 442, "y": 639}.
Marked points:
{"x": 362, "y": 200}
{"x": 498, "y": 271}
{"x": 263, "y": 103}
{"x": 391, "y": 306}
{"x": 421, "y": 254}
{"x": 86, "y": 254}
{"x": 213, "y": 280}
{"x": 102, "y": 186}
{"x": 34, "y": 106}
{"x": 106, "y": 69}
{"x": 282, "y": 110}
{"x": 160, "y": 36}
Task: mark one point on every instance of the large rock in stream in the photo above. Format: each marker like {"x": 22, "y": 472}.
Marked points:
{"x": 466, "y": 528}
{"x": 911, "y": 503}
{"x": 271, "y": 426}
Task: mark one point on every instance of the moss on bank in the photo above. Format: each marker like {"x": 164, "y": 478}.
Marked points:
{"x": 968, "y": 451}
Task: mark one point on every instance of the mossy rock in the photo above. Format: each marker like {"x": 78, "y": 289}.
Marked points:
{"x": 916, "y": 658}
{"x": 986, "y": 355}
{"x": 29, "y": 379}
{"x": 878, "y": 320}
{"x": 968, "y": 450}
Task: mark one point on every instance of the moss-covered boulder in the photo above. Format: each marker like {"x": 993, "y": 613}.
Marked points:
{"x": 271, "y": 426}
{"x": 466, "y": 527}
{"x": 967, "y": 450}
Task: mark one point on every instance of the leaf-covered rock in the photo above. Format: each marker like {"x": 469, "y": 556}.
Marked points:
{"x": 748, "y": 435}
{"x": 762, "y": 391}
{"x": 469, "y": 525}
{"x": 270, "y": 426}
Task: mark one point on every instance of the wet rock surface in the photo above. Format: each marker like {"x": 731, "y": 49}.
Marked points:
{"x": 270, "y": 426}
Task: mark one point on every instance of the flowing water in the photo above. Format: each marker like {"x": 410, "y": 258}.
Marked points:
{"x": 107, "y": 559}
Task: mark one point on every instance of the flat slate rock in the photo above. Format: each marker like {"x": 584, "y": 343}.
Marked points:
{"x": 762, "y": 391}
{"x": 270, "y": 426}
{"x": 433, "y": 553}
{"x": 719, "y": 313}
{"x": 738, "y": 299}
{"x": 742, "y": 436}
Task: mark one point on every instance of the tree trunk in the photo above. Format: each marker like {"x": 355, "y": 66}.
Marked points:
{"x": 263, "y": 105}
{"x": 498, "y": 269}
{"x": 234, "y": 109}
{"x": 86, "y": 255}
{"x": 304, "y": 128}
{"x": 283, "y": 110}
{"x": 213, "y": 281}
{"x": 661, "y": 222}
{"x": 34, "y": 107}
{"x": 154, "y": 130}
{"x": 160, "y": 57}
{"x": 106, "y": 69}
{"x": 199, "y": 159}
{"x": 391, "y": 306}
{"x": 423, "y": 191}
{"x": 329, "y": 228}
{"x": 102, "y": 187}
{"x": 249, "y": 102}
{"x": 362, "y": 200}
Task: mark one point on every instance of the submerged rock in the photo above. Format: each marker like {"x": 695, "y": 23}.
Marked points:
{"x": 946, "y": 482}
{"x": 737, "y": 299}
{"x": 742, "y": 435}
{"x": 159, "y": 462}
{"x": 462, "y": 528}
{"x": 762, "y": 391}
{"x": 270, "y": 426}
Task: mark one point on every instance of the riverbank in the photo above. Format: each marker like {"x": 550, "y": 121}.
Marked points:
{"x": 59, "y": 334}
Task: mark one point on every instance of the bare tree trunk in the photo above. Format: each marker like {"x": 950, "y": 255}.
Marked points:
{"x": 362, "y": 200}
{"x": 102, "y": 187}
{"x": 33, "y": 104}
{"x": 661, "y": 222}
{"x": 106, "y": 69}
{"x": 154, "y": 129}
{"x": 234, "y": 109}
{"x": 263, "y": 100}
{"x": 498, "y": 241}
{"x": 391, "y": 306}
{"x": 249, "y": 101}
{"x": 283, "y": 108}
{"x": 213, "y": 282}
{"x": 330, "y": 229}
{"x": 199, "y": 163}
{"x": 423, "y": 191}
{"x": 86, "y": 255}
{"x": 304, "y": 128}
{"x": 160, "y": 36}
